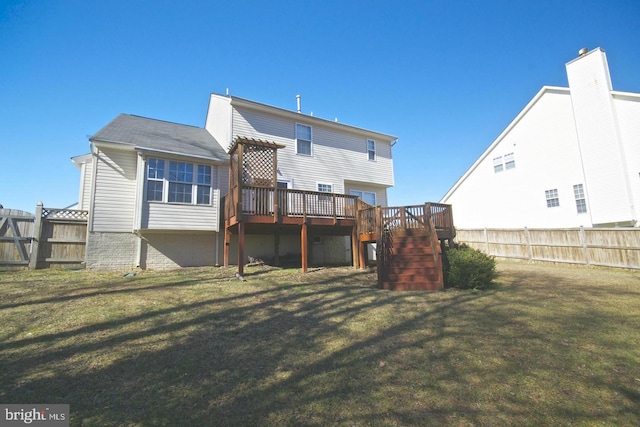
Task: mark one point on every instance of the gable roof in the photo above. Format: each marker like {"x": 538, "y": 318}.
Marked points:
{"x": 145, "y": 134}
{"x": 246, "y": 103}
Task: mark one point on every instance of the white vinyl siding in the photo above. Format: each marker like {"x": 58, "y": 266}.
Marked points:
{"x": 189, "y": 216}
{"x": 115, "y": 191}
{"x": 547, "y": 157}
{"x": 338, "y": 155}
{"x": 84, "y": 198}
{"x": 167, "y": 216}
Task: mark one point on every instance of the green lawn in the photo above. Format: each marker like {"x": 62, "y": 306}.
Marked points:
{"x": 547, "y": 345}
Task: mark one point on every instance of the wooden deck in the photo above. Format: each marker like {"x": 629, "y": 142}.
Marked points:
{"x": 266, "y": 210}
{"x": 264, "y": 205}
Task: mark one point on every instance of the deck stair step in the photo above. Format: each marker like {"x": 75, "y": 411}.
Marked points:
{"x": 410, "y": 262}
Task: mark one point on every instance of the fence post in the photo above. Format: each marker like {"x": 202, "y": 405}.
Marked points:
{"x": 528, "y": 241}
{"x": 583, "y": 242}
{"x": 35, "y": 241}
{"x": 486, "y": 240}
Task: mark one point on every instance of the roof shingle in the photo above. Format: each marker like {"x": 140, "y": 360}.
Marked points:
{"x": 161, "y": 136}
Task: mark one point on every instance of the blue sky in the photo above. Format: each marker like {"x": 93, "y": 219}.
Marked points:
{"x": 446, "y": 77}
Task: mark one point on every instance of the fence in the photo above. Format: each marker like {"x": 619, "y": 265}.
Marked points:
{"x": 608, "y": 247}
{"x": 50, "y": 238}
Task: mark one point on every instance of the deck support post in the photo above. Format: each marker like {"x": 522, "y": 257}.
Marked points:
{"x": 304, "y": 247}
{"x": 355, "y": 246}
{"x": 241, "y": 248}
{"x": 225, "y": 251}
{"x": 362, "y": 258}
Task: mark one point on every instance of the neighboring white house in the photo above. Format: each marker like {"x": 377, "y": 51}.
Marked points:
{"x": 570, "y": 158}
{"x": 153, "y": 189}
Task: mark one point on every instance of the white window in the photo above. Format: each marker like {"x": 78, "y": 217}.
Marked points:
{"x": 203, "y": 186}
{"x": 178, "y": 184}
{"x": 581, "y": 203}
{"x": 303, "y": 139}
{"x": 325, "y": 188}
{"x": 368, "y": 197}
{"x": 371, "y": 149}
{"x": 552, "y": 198}
{"x": 509, "y": 161}
{"x": 497, "y": 164}
{"x": 155, "y": 179}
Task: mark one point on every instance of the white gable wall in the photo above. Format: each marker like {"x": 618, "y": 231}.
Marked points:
{"x": 546, "y": 157}
{"x": 585, "y": 134}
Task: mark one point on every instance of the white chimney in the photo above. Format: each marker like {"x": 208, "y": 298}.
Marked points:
{"x": 298, "y": 99}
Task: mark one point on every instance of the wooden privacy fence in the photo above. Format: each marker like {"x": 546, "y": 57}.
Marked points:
{"x": 608, "y": 247}
{"x": 50, "y": 238}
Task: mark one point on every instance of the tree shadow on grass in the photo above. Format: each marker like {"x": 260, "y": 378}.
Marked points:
{"x": 327, "y": 351}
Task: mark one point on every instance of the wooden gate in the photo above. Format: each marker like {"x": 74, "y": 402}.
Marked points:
{"x": 52, "y": 238}
{"x": 16, "y": 233}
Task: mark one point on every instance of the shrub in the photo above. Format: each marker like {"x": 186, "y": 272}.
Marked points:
{"x": 468, "y": 268}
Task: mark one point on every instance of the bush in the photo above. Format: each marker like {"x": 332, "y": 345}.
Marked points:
{"x": 468, "y": 268}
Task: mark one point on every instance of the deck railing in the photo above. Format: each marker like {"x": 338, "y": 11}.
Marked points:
{"x": 264, "y": 201}
{"x": 373, "y": 219}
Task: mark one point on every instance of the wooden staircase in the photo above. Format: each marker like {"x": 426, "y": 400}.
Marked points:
{"x": 409, "y": 255}
{"x": 410, "y": 261}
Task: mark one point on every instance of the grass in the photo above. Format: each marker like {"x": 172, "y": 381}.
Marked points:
{"x": 547, "y": 345}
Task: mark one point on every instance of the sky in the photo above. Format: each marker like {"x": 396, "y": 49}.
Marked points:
{"x": 445, "y": 77}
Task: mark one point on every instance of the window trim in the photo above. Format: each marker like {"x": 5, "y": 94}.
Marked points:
{"x": 551, "y": 195}
{"x": 371, "y": 151}
{"x": 310, "y": 141}
{"x": 498, "y": 166}
{"x": 155, "y": 179}
{"x": 166, "y": 180}
{"x": 319, "y": 183}
{"x": 509, "y": 161}
{"x": 580, "y": 198}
